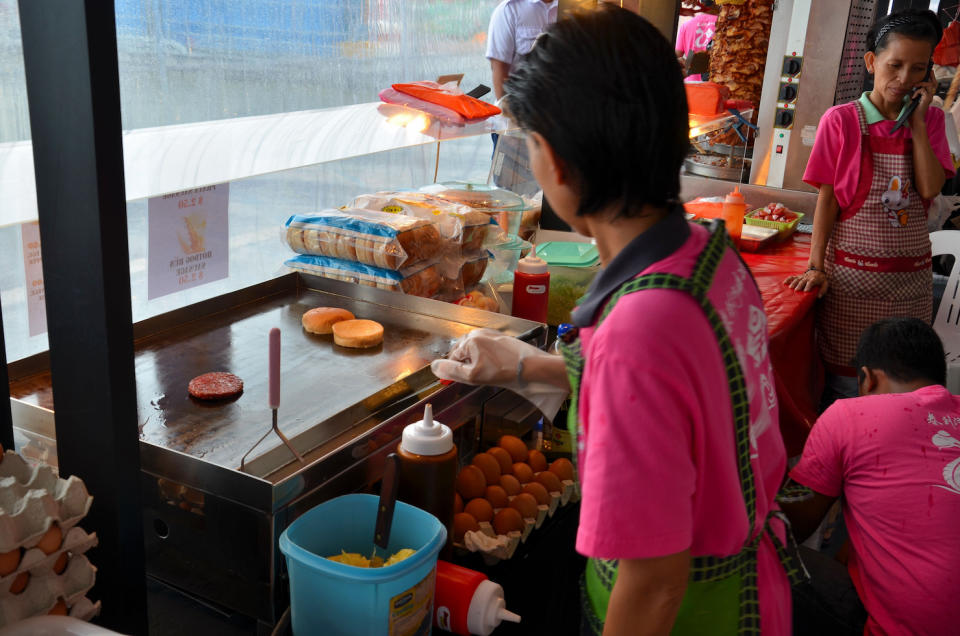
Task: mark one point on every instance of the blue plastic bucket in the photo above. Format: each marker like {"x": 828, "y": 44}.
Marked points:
{"x": 332, "y": 598}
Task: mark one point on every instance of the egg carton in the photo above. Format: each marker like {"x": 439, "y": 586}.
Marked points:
{"x": 43, "y": 592}
{"x": 495, "y": 548}
{"x": 32, "y": 497}
{"x": 76, "y": 542}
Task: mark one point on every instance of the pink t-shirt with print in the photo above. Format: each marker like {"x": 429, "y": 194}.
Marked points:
{"x": 694, "y": 35}
{"x": 896, "y": 460}
{"x": 835, "y": 158}
{"x": 658, "y": 462}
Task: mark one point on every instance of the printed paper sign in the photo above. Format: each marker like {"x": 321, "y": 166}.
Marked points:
{"x": 33, "y": 272}
{"x": 188, "y": 239}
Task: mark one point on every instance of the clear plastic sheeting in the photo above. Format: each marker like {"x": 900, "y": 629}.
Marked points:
{"x": 198, "y": 60}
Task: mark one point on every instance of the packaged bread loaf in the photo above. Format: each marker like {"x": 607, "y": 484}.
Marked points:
{"x": 422, "y": 279}
{"x": 457, "y": 223}
{"x": 380, "y": 239}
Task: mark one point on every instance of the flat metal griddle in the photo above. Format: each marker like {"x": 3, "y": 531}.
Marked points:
{"x": 325, "y": 388}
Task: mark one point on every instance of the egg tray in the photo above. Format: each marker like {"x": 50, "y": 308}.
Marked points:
{"x": 496, "y": 548}
{"x": 32, "y": 497}
{"x": 76, "y": 542}
{"x": 43, "y": 591}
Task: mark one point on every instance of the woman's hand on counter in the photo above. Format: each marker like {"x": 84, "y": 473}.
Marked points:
{"x": 808, "y": 281}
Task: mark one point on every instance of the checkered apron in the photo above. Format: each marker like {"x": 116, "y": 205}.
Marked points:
{"x": 722, "y": 594}
{"x": 878, "y": 258}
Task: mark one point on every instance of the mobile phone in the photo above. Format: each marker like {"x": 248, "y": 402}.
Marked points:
{"x": 914, "y": 101}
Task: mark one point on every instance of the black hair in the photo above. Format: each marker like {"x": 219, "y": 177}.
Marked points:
{"x": 604, "y": 89}
{"x": 917, "y": 24}
{"x": 906, "y": 349}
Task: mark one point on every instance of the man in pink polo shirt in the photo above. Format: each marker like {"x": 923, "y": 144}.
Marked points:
{"x": 894, "y": 456}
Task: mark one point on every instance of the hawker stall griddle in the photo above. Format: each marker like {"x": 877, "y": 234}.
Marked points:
{"x": 212, "y": 529}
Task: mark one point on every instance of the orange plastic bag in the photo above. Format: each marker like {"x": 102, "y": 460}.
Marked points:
{"x": 458, "y": 102}
{"x": 947, "y": 52}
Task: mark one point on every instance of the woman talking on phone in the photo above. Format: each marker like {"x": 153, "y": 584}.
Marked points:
{"x": 870, "y": 256}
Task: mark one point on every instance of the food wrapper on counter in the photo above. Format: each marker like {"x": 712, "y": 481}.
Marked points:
{"x": 423, "y": 279}
{"x": 445, "y": 115}
{"x": 458, "y": 224}
{"x": 379, "y": 239}
{"x": 449, "y": 96}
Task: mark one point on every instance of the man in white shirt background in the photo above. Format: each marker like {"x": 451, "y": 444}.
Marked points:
{"x": 514, "y": 27}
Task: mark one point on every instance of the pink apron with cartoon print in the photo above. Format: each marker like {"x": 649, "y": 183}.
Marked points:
{"x": 878, "y": 258}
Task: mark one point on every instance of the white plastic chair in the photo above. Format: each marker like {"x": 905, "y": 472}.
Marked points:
{"x": 947, "y": 321}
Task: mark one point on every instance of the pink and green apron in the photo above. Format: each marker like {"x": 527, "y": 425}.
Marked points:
{"x": 878, "y": 258}
{"x": 722, "y": 594}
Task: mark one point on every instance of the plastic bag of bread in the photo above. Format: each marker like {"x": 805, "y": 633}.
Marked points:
{"x": 461, "y": 275}
{"x": 457, "y": 223}
{"x": 422, "y": 279}
{"x": 380, "y": 239}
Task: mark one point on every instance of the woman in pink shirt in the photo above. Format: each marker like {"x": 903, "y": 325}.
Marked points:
{"x": 870, "y": 255}
{"x": 673, "y": 399}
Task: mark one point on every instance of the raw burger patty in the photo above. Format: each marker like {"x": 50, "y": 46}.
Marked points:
{"x": 215, "y": 386}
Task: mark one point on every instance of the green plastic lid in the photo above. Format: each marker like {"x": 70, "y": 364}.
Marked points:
{"x": 568, "y": 253}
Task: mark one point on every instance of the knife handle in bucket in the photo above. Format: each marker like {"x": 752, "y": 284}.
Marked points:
{"x": 274, "y": 368}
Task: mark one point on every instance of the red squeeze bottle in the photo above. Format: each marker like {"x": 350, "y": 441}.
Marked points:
{"x": 466, "y": 602}
{"x": 531, "y": 282}
{"x": 734, "y": 209}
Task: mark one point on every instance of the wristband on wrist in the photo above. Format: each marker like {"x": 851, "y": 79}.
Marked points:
{"x": 814, "y": 268}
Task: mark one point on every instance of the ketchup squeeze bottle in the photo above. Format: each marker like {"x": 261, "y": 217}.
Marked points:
{"x": 428, "y": 470}
{"x": 531, "y": 284}
{"x": 734, "y": 209}
{"x": 466, "y": 602}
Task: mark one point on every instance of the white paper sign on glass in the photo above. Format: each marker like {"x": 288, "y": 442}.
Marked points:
{"x": 189, "y": 239}
{"x": 33, "y": 273}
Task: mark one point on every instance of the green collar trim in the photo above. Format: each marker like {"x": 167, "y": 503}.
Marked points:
{"x": 873, "y": 115}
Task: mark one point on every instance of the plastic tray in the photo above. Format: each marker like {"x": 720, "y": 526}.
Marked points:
{"x": 784, "y": 229}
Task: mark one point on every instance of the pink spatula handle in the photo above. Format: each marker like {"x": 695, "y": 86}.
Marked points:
{"x": 274, "y": 368}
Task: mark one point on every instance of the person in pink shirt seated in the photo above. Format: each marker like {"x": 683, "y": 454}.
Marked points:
{"x": 673, "y": 399}
{"x": 893, "y": 456}
{"x": 696, "y": 34}
{"x": 870, "y": 255}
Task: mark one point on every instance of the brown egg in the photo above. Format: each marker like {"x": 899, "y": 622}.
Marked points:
{"x": 508, "y": 520}
{"x": 523, "y": 472}
{"x": 514, "y": 446}
{"x": 503, "y": 458}
{"x": 538, "y": 491}
{"x": 60, "y": 609}
{"x": 549, "y": 480}
{"x": 562, "y": 468}
{"x": 490, "y": 467}
{"x": 497, "y": 496}
{"x": 537, "y": 461}
{"x": 61, "y": 563}
{"x": 19, "y": 583}
{"x": 525, "y": 504}
{"x": 462, "y": 524}
{"x": 511, "y": 484}
{"x": 457, "y": 503}
{"x": 471, "y": 483}
{"x": 50, "y": 542}
{"x": 9, "y": 561}
{"x": 480, "y": 509}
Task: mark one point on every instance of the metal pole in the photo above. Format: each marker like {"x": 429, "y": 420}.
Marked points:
{"x": 70, "y": 55}
{"x": 6, "y": 418}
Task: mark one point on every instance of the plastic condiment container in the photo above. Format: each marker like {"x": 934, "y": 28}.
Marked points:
{"x": 428, "y": 470}
{"x": 467, "y": 602}
{"x": 734, "y": 209}
{"x": 573, "y": 267}
{"x": 531, "y": 286}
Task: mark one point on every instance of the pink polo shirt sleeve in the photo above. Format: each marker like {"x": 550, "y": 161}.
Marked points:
{"x": 835, "y": 158}
{"x": 936, "y": 131}
{"x": 821, "y": 464}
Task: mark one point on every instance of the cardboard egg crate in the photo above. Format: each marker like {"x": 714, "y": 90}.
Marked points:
{"x": 496, "y": 548}
{"x": 39, "y": 513}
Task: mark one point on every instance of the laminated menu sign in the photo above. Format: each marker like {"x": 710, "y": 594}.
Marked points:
{"x": 33, "y": 272}
{"x": 188, "y": 239}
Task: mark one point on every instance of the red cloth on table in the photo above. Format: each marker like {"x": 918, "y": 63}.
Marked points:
{"x": 793, "y": 351}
